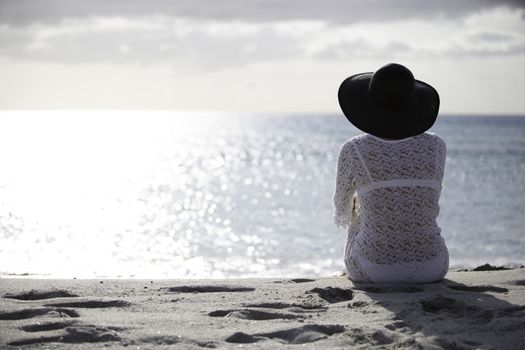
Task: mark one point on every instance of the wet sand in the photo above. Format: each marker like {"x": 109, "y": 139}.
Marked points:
{"x": 467, "y": 310}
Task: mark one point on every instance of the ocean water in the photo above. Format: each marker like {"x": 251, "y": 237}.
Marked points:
{"x": 211, "y": 195}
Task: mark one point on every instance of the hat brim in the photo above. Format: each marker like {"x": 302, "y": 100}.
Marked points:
{"x": 372, "y": 118}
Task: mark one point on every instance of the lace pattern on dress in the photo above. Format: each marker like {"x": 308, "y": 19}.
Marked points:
{"x": 398, "y": 185}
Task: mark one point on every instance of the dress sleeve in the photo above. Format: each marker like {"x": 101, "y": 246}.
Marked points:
{"x": 441, "y": 155}
{"x": 344, "y": 187}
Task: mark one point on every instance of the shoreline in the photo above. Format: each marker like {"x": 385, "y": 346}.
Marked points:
{"x": 467, "y": 310}
{"x": 466, "y": 268}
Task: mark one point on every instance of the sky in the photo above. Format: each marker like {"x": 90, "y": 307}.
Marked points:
{"x": 255, "y": 56}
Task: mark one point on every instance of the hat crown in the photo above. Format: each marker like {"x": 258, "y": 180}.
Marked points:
{"x": 393, "y": 86}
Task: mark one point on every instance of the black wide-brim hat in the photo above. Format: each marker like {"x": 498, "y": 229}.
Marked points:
{"x": 389, "y": 103}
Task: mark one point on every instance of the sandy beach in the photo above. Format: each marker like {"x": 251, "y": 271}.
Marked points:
{"x": 467, "y": 310}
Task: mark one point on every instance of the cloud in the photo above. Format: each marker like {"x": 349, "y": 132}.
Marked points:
{"x": 499, "y": 31}
{"x": 24, "y": 12}
{"x": 211, "y": 39}
{"x": 148, "y": 40}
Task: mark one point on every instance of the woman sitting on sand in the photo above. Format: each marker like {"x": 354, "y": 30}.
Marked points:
{"x": 389, "y": 179}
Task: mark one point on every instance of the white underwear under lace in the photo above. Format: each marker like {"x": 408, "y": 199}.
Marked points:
{"x": 399, "y": 183}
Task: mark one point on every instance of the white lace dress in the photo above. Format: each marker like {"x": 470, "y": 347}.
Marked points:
{"x": 387, "y": 194}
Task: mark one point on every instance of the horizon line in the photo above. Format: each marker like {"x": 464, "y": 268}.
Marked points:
{"x": 232, "y": 112}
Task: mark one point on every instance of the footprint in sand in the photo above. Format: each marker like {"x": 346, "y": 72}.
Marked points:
{"x": 396, "y": 325}
{"x": 449, "y": 344}
{"x": 162, "y": 340}
{"x": 40, "y": 312}
{"x": 486, "y": 288}
{"x": 91, "y": 304}
{"x": 359, "y": 303}
{"x": 301, "y": 335}
{"x": 301, "y": 280}
{"x": 441, "y": 303}
{"x": 243, "y": 338}
{"x": 159, "y": 340}
{"x": 40, "y": 294}
{"x": 510, "y": 310}
{"x": 357, "y": 336}
{"x": 393, "y": 289}
{"x": 291, "y": 306}
{"x": 256, "y": 315}
{"x": 333, "y": 295}
{"x": 276, "y": 305}
{"x": 48, "y": 326}
{"x": 296, "y": 280}
{"x": 518, "y": 282}
{"x": 75, "y": 334}
{"x": 210, "y": 289}
{"x": 456, "y": 308}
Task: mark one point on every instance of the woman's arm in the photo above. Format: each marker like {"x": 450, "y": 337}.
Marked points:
{"x": 441, "y": 156}
{"x": 344, "y": 187}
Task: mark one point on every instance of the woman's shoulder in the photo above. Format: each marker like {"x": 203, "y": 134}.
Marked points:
{"x": 436, "y": 138}
{"x": 356, "y": 139}
{"x": 347, "y": 146}
{"x": 362, "y": 140}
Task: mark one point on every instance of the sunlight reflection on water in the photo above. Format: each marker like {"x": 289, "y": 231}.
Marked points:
{"x": 156, "y": 194}
{"x": 205, "y": 195}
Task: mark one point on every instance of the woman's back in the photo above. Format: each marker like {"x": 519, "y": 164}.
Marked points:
{"x": 398, "y": 184}
{"x": 393, "y": 235}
